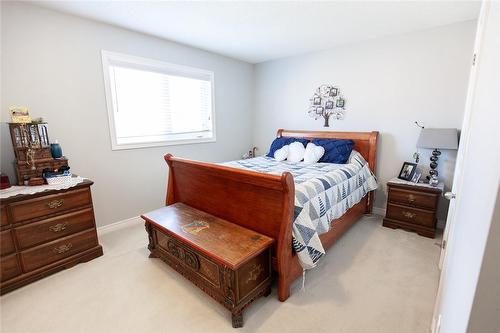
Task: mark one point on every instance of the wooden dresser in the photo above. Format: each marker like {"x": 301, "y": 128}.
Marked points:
{"x": 46, "y": 232}
{"x": 412, "y": 207}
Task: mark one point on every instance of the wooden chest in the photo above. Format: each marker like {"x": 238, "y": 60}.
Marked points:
{"x": 412, "y": 207}
{"x": 46, "y": 232}
{"x": 230, "y": 263}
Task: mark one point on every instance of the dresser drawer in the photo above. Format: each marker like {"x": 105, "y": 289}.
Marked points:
{"x": 6, "y": 243}
{"x": 9, "y": 267}
{"x": 412, "y": 215}
{"x": 57, "y": 227}
{"x": 414, "y": 199}
{"x": 3, "y": 216}
{"x": 50, "y": 204}
{"x": 58, "y": 250}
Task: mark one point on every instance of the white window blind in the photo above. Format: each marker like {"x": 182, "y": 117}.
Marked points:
{"x": 152, "y": 103}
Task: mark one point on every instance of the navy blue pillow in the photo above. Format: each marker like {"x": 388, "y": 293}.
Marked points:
{"x": 278, "y": 143}
{"x": 336, "y": 151}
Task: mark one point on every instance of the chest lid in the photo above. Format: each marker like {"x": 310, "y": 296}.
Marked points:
{"x": 223, "y": 241}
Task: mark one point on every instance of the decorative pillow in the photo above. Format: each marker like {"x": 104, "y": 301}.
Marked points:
{"x": 283, "y": 141}
{"x": 296, "y": 152}
{"x": 336, "y": 151}
{"x": 282, "y": 153}
{"x": 313, "y": 153}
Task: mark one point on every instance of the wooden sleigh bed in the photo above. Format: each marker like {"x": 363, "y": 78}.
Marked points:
{"x": 263, "y": 202}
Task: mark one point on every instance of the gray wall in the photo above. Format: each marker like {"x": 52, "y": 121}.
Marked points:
{"x": 51, "y": 62}
{"x": 388, "y": 84}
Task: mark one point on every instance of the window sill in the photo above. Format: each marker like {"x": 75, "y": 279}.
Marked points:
{"x": 115, "y": 146}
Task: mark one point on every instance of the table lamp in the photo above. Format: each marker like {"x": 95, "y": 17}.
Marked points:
{"x": 437, "y": 138}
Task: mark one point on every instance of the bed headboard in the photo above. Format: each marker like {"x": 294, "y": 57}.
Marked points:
{"x": 364, "y": 142}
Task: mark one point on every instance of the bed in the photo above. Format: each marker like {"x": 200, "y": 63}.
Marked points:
{"x": 264, "y": 202}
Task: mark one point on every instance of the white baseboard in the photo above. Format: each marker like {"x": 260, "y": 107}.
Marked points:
{"x": 379, "y": 211}
{"x": 119, "y": 225}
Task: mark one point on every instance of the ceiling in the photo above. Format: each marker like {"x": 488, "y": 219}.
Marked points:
{"x": 256, "y": 31}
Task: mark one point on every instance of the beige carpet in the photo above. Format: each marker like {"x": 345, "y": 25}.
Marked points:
{"x": 374, "y": 280}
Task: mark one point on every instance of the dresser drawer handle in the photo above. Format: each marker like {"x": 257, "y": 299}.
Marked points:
{"x": 63, "y": 248}
{"x": 55, "y": 203}
{"x": 58, "y": 227}
{"x": 409, "y": 215}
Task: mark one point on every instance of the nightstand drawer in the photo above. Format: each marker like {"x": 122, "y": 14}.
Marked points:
{"x": 413, "y": 199}
{"x": 412, "y": 215}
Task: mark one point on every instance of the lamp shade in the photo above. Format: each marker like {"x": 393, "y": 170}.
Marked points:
{"x": 438, "y": 138}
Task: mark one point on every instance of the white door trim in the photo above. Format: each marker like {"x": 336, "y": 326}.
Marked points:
{"x": 463, "y": 149}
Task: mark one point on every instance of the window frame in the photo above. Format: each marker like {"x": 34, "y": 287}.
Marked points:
{"x": 109, "y": 58}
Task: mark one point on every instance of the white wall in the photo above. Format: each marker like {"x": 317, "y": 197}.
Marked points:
{"x": 388, "y": 84}
{"x": 51, "y": 62}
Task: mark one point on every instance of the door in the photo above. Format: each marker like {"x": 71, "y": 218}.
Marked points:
{"x": 475, "y": 182}
{"x": 464, "y": 139}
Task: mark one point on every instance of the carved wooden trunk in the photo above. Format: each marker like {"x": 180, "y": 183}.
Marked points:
{"x": 45, "y": 232}
{"x": 230, "y": 263}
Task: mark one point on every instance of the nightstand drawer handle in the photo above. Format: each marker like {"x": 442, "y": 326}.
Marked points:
{"x": 409, "y": 215}
{"x": 411, "y": 198}
{"x": 58, "y": 227}
{"x": 55, "y": 203}
{"x": 63, "y": 248}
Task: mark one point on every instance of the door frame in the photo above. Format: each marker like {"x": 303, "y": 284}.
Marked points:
{"x": 462, "y": 151}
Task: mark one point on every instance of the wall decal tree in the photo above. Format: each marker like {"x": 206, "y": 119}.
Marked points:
{"x": 327, "y": 101}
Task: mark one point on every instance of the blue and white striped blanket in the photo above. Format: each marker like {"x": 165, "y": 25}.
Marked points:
{"x": 323, "y": 193}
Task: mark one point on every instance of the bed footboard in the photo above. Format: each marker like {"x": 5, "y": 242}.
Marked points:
{"x": 261, "y": 202}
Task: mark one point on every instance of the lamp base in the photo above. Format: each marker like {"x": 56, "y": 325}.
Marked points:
{"x": 434, "y": 181}
{"x": 433, "y": 173}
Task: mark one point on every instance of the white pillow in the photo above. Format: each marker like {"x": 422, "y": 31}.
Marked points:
{"x": 296, "y": 152}
{"x": 282, "y": 153}
{"x": 313, "y": 153}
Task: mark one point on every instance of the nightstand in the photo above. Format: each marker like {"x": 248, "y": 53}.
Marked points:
{"x": 412, "y": 206}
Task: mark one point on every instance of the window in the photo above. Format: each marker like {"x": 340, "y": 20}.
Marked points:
{"x": 152, "y": 103}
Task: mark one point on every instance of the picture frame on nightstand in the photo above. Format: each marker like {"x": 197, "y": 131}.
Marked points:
{"x": 407, "y": 171}
{"x": 416, "y": 177}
